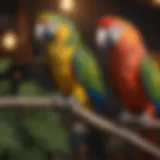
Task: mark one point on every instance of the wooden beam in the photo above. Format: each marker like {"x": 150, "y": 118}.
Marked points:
{"x": 23, "y": 28}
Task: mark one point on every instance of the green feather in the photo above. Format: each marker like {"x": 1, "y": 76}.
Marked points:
{"x": 88, "y": 69}
{"x": 151, "y": 78}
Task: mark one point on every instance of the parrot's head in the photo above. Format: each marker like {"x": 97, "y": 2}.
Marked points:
{"x": 108, "y": 32}
{"x": 46, "y": 25}
{"x": 112, "y": 31}
{"x": 54, "y": 28}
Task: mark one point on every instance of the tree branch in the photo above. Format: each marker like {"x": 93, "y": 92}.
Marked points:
{"x": 91, "y": 118}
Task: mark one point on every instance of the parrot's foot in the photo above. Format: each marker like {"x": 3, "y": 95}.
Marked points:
{"x": 125, "y": 117}
{"x": 58, "y": 100}
{"x": 71, "y": 102}
{"x": 144, "y": 120}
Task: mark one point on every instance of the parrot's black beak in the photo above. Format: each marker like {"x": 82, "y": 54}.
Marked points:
{"x": 41, "y": 38}
{"x": 41, "y": 43}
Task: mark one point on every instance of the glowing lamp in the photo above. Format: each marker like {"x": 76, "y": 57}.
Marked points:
{"x": 67, "y": 5}
{"x": 9, "y": 41}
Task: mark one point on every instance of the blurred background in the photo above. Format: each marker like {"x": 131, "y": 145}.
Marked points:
{"x": 38, "y": 134}
{"x": 17, "y": 21}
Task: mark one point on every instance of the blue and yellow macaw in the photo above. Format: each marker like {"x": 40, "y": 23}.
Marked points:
{"x": 73, "y": 67}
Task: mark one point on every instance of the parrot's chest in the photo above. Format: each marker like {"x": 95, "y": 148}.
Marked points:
{"x": 132, "y": 93}
{"x": 60, "y": 62}
{"x": 126, "y": 80}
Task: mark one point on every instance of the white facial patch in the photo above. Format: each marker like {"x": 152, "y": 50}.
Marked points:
{"x": 39, "y": 30}
{"x": 115, "y": 33}
{"x": 101, "y": 37}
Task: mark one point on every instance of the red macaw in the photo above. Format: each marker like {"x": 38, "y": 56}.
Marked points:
{"x": 130, "y": 70}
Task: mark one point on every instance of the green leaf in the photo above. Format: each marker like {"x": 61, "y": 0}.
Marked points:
{"x": 8, "y": 114}
{"x": 4, "y": 65}
{"x": 28, "y": 154}
{"x": 30, "y": 89}
{"x": 5, "y": 87}
{"x": 44, "y": 126}
{"x": 8, "y": 139}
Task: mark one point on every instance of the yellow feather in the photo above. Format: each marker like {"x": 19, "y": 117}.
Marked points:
{"x": 60, "y": 62}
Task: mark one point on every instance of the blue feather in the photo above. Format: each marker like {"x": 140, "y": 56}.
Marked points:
{"x": 87, "y": 72}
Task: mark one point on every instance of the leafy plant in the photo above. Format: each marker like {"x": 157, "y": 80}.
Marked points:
{"x": 29, "y": 134}
{"x": 4, "y": 64}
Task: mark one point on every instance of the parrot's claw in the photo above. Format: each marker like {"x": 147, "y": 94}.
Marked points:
{"x": 144, "y": 120}
{"x": 125, "y": 117}
{"x": 58, "y": 99}
{"x": 71, "y": 101}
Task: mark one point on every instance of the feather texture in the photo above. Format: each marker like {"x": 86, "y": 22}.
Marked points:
{"x": 89, "y": 74}
{"x": 150, "y": 74}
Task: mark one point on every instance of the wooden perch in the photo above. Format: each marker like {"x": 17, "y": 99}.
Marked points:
{"x": 91, "y": 118}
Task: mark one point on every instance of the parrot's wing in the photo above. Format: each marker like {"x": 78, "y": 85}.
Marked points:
{"x": 150, "y": 74}
{"x": 88, "y": 73}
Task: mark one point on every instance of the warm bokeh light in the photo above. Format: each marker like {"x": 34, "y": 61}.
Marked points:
{"x": 67, "y": 5}
{"x": 157, "y": 1}
{"x": 9, "y": 41}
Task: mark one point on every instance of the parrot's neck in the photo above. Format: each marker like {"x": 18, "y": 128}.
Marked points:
{"x": 60, "y": 55}
{"x": 60, "y": 62}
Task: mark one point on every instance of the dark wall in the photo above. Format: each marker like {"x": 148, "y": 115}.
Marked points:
{"x": 8, "y": 13}
{"x": 8, "y": 6}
